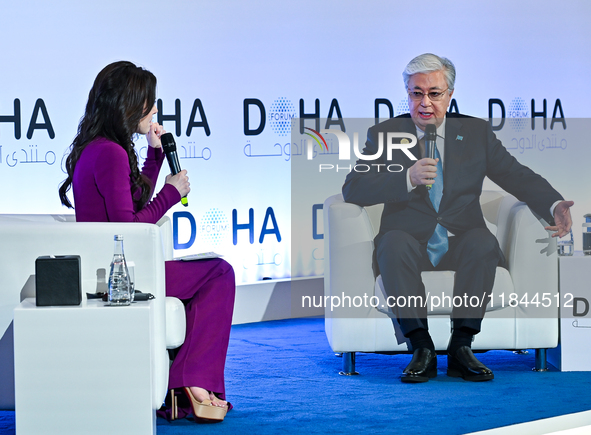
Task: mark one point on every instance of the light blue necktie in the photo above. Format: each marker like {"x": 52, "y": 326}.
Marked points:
{"x": 438, "y": 243}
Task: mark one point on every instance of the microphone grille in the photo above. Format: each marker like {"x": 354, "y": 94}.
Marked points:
{"x": 430, "y": 132}
{"x": 168, "y": 143}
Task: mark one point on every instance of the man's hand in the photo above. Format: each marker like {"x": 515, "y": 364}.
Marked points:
{"x": 562, "y": 219}
{"x": 423, "y": 171}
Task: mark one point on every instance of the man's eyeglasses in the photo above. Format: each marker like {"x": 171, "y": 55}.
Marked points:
{"x": 433, "y": 95}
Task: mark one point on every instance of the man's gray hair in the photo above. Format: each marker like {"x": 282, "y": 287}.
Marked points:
{"x": 428, "y": 63}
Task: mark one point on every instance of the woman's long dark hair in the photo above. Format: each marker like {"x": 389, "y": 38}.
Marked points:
{"x": 122, "y": 94}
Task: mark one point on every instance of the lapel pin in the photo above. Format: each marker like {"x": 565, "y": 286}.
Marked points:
{"x": 459, "y": 137}
{"x": 404, "y": 141}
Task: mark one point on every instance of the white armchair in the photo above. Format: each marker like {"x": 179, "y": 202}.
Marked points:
{"x": 26, "y": 237}
{"x": 532, "y": 268}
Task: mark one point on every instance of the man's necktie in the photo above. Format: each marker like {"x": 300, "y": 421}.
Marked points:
{"x": 438, "y": 243}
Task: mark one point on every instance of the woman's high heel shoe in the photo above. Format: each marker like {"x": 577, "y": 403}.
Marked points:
{"x": 205, "y": 409}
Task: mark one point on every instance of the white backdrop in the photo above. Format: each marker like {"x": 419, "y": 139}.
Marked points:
{"x": 216, "y": 55}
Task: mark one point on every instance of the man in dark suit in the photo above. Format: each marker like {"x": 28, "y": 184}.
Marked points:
{"x": 432, "y": 219}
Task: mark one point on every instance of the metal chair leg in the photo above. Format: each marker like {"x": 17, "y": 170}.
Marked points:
{"x": 541, "y": 362}
{"x": 348, "y": 364}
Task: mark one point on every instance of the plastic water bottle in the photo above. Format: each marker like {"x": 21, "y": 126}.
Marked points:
{"x": 587, "y": 234}
{"x": 119, "y": 284}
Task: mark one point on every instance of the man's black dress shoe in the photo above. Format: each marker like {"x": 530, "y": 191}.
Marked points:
{"x": 465, "y": 365}
{"x": 422, "y": 366}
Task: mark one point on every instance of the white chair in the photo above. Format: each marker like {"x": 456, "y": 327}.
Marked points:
{"x": 512, "y": 321}
{"x": 26, "y": 237}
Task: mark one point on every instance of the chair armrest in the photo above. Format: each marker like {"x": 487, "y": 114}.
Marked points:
{"x": 176, "y": 323}
{"x": 348, "y": 251}
{"x": 531, "y": 256}
{"x": 532, "y": 261}
{"x": 166, "y": 231}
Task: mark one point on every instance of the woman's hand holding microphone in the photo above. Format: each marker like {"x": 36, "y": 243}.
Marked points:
{"x": 180, "y": 181}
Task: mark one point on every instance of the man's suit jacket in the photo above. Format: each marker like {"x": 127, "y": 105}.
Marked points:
{"x": 472, "y": 152}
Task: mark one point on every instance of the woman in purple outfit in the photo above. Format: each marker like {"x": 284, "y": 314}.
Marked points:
{"x": 108, "y": 187}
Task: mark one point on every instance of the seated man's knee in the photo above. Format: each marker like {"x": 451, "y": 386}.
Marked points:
{"x": 396, "y": 245}
{"x": 480, "y": 242}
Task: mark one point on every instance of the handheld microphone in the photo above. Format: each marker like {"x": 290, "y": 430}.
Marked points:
{"x": 430, "y": 138}
{"x": 169, "y": 148}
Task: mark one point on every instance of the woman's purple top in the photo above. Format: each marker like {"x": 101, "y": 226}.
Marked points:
{"x": 102, "y": 185}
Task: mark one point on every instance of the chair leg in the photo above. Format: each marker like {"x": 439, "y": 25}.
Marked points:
{"x": 541, "y": 362}
{"x": 348, "y": 364}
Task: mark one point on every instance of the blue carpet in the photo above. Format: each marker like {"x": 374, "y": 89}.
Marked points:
{"x": 281, "y": 376}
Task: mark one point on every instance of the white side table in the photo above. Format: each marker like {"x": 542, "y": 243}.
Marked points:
{"x": 574, "y": 349}
{"x": 84, "y": 370}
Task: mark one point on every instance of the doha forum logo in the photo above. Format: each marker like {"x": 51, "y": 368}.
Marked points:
{"x": 517, "y": 114}
{"x": 402, "y": 107}
{"x": 282, "y": 110}
{"x": 215, "y": 227}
